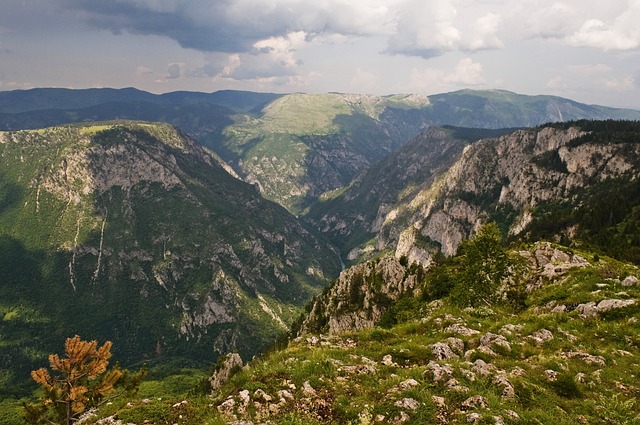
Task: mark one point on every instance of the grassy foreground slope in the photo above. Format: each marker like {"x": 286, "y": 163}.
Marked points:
{"x": 569, "y": 356}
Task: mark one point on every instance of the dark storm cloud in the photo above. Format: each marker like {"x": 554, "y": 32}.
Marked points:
{"x": 192, "y": 26}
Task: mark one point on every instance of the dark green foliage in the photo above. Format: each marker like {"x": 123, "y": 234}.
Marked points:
{"x": 566, "y": 386}
{"x": 602, "y": 131}
{"x": 607, "y": 219}
{"x": 484, "y": 264}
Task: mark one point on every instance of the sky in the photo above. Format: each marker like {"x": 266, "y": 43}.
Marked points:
{"x": 585, "y": 50}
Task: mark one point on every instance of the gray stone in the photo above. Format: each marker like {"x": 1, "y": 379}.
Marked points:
{"x": 442, "y": 351}
{"x": 606, "y": 305}
{"x": 231, "y": 362}
{"x": 630, "y": 281}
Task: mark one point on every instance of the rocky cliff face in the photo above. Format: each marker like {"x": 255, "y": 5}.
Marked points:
{"x": 514, "y": 179}
{"x": 143, "y": 237}
{"x": 360, "y": 296}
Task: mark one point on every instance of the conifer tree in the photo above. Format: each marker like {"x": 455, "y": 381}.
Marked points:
{"x": 76, "y": 382}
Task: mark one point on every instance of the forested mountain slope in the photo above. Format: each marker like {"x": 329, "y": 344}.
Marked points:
{"x": 135, "y": 233}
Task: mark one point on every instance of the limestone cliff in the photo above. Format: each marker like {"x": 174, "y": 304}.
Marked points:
{"x": 550, "y": 182}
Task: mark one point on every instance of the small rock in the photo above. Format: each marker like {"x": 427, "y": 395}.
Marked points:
{"x": 461, "y": 330}
{"x": 467, "y": 374}
{"x": 518, "y": 371}
{"x": 244, "y": 397}
{"x": 630, "y": 281}
{"x": 513, "y": 415}
{"x": 508, "y": 391}
{"x": 456, "y": 344}
{"x": 442, "y": 351}
{"x": 559, "y": 309}
{"x": 285, "y": 395}
{"x": 308, "y": 390}
{"x": 510, "y": 329}
{"x": 453, "y": 385}
{"x": 498, "y": 420}
{"x": 473, "y": 417}
{"x": 408, "y": 384}
{"x": 541, "y": 336}
{"x": 401, "y": 418}
{"x": 473, "y": 402}
{"x": 490, "y": 339}
{"x": 262, "y": 395}
{"x": 551, "y": 375}
{"x": 438, "y": 401}
{"x": 438, "y": 372}
{"x": 408, "y": 403}
{"x": 482, "y": 368}
{"x": 586, "y": 357}
{"x": 387, "y": 360}
{"x": 606, "y": 305}
{"x": 587, "y": 309}
{"x": 486, "y": 350}
{"x": 580, "y": 377}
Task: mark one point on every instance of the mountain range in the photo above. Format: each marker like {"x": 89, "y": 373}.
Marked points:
{"x": 295, "y": 147}
{"x": 188, "y": 225}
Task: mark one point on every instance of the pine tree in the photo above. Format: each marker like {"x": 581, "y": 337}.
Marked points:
{"x": 77, "y": 381}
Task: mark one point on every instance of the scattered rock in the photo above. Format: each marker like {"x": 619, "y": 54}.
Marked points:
{"x": 231, "y": 363}
{"x": 442, "y": 351}
{"x": 408, "y": 403}
{"x": 541, "y": 336}
{"x": 261, "y": 395}
{"x": 482, "y": 368}
{"x": 459, "y": 329}
{"x": 456, "y": 344}
{"x": 511, "y": 414}
{"x": 551, "y": 375}
{"x": 387, "y": 360}
{"x": 244, "y": 397}
{"x": 586, "y": 357}
{"x": 490, "y": 340}
{"x": 473, "y": 418}
{"x": 408, "y": 384}
{"x": 401, "y": 418}
{"x": 508, "y": 391}
{"x": 606, "y": 305}
{"x": 453, "y": 385}
{"x": 587, "y": 309}
{"x": 630, "y": 281}
{"x": 473, "y": 402}
{"x": 438, "y": 401}
{"x": 518, "y": 371}
{"x": 438, "y": 372}
{"x": 308, "y": 390}
{"x": 510, "y": 329}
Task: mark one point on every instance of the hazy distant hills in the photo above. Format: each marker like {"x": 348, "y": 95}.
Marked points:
{"x": 135, "y": 233}
{"x": 295, "y": 147}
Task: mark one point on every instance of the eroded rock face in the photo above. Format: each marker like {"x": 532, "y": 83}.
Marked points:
{"x": 231, "y": 362}
{"x": 512, "y": 173}
{"x": 359, "y": 298}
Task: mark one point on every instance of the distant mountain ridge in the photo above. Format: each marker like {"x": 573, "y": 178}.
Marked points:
{"x": 295, "y": 147}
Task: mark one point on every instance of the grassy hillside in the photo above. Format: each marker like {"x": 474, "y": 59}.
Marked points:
{"x": 568, "y": 355}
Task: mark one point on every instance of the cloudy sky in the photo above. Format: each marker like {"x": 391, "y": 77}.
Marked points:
{"x": 587, "y": 50}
